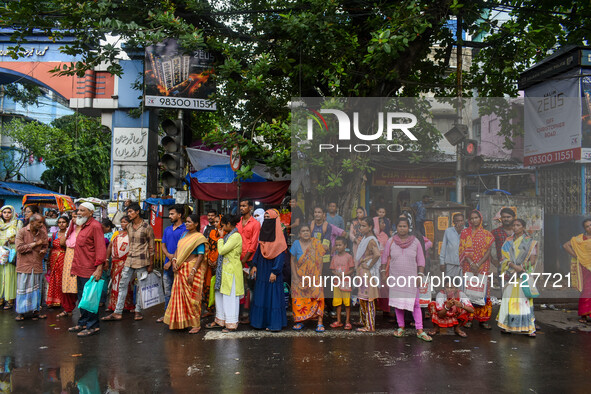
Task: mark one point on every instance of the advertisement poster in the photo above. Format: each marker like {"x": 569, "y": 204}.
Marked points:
{"x": 175, "y": 79}
{"x": 552, "y": 126}
{"x": 586, "y": 118}
{"x": 442, "y": 223}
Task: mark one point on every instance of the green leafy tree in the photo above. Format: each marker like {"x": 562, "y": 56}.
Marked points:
{"x": 11, "y": 162}
{"x": 75, "y": 149}
{"x": 270, "y": 51}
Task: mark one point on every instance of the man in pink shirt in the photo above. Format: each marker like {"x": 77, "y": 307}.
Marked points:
{"x": 249, "y": 229}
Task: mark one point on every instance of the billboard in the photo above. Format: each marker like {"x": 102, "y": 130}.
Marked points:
{"x": 553, "y": 120}
{"x": 174, "y": 78}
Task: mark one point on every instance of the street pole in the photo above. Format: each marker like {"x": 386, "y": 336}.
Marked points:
{"x": 459, "y": 175}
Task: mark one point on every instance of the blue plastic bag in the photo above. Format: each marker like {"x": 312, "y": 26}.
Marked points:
{"x": 12, "y": 256}
{"x": 91, "y": 295}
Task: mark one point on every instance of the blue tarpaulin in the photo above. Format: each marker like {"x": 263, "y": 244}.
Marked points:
{"x": 222, "y": 174}
{"x": 20, "y": 189}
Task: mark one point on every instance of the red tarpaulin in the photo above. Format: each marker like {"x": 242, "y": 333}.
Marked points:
{"x": 265, "y": 192}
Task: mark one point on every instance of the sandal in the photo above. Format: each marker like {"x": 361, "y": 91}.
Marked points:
{"x": 399, "y": 333}
{"x": 37, "y": 316}
{"x": 320, "y": 328}
{"x": 19, "y": 317}
{"x": 88, "y": 332}
{"x": 532, "y": 335}
{"x": 213, "y": 325}
{"x": 583, "y": 320}
{"x": 336, "y": 324}
{"x": 138, "y": 316}
{"x": 111, "y": 317}
{"x": 298, "y": 327}
{"x": 460, "y": 333}
{"x": 8, "y": 305}
{"x": 486, "y": 326}
{"x": 423, "y": 336}
{"x": 64, "y": 314}
{"x": 195, "y": 330}
{"x": 364, "y": 329}
{"x": 434, "y": 331}
{"x": 227, "y": 330}
{"x": 160, "y": 320}
{"x": 348, "y": 326}
{"x": 76, "y": 329}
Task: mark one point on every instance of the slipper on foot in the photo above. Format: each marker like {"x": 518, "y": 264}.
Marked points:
{"x": 88, "y": 332}
{"x": 111, "y": 317}
{"x": 423, "y": 336}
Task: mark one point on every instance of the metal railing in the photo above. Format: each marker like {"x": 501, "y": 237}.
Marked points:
{"x": 159, "y": 255}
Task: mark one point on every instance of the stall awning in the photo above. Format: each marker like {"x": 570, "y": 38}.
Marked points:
{"x": 265, "y": 192}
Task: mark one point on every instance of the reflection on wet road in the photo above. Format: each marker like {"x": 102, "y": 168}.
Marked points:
{"x": 137, "y": 357}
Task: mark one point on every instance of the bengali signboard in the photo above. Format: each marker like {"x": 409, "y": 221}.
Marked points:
{"x": 176, "y": 79}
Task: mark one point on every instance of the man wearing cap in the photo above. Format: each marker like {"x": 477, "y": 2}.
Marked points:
{"x": 90, "y": 254}
{"x": 140, "y": 259}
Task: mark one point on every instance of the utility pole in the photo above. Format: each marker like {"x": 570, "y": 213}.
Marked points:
{"x": 459, "y": 175}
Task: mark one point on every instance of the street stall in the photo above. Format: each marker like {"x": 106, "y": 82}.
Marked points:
{"x": 214, "y": 179}
{"x": 158, "y": 219}
{"x": 219, "y": 183}
{"x": 438, "y": 218}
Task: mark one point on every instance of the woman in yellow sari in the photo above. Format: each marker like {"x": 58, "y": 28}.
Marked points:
{"x": 580, "y": 248}
{"x": 188, "y": 264}
{"x": 519, "y": 252}
{"x": 306, "y": 262}
{"x": 9, "y": 226}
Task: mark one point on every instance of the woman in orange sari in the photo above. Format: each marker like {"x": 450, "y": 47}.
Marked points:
{"x": 475, "y": 245}
{"x": 118, "y": 249}
{"x": 212, "y": 262}
{"x": 306, "y": 261}
{"x": 184, "y": 308}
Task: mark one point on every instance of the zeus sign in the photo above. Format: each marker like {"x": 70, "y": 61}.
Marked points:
{"x": 393, "y": 122}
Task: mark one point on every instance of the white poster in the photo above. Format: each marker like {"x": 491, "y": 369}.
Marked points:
{"x": 552, "y": 121}
{"x": 130, "y": 144}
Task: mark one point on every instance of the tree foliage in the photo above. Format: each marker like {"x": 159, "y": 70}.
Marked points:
{"x": 75, "y": 149}
{"x": 269, "y": 51}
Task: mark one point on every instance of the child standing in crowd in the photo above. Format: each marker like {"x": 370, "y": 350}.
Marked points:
{"x": 342, "y": 266}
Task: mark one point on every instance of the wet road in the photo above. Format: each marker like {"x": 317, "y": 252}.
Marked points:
{"x": 137, "y": 357}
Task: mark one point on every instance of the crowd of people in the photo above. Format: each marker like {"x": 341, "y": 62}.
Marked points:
{"x": 247, "y": 270}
